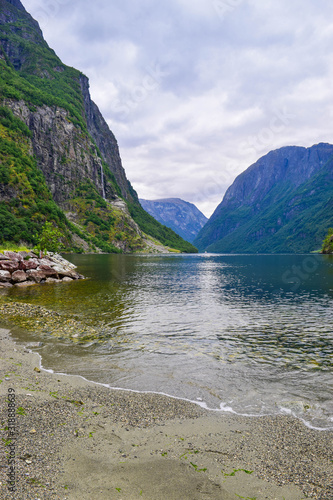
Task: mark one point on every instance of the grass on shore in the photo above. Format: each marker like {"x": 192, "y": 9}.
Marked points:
{"x": 12, "y": 247}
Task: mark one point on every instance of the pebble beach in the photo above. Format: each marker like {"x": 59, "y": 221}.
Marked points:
{"x": 79, "y": 440}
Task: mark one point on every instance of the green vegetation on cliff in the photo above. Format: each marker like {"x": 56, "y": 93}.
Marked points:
{"x": 37, "y": 75}
{"x": 47, "y": 165}
{"x": 291, "y": 215}
{"x": 103, "y": 222}
{"x": 26, "y": 202}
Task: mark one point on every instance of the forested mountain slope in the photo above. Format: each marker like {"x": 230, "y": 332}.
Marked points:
{"x": 57, "y": 153}
{"x": 282, "y": 203}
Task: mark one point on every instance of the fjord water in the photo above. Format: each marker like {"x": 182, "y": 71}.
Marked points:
{"x": 250, "y": 334}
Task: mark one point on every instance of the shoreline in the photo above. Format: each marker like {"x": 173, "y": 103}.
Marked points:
{"x": 36, "y": 319}
{"x": 201, "y": 404}
{"x": 81, "y": 440}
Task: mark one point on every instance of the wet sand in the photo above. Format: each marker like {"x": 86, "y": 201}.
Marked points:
{"x": 81, "y": 441}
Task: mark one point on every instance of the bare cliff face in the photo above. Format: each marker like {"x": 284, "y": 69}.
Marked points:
{"x": 65, "y": 155}
{"x": 106, "y": 141}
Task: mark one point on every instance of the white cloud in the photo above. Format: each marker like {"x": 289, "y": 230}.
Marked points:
{"x": 197, "y": 90}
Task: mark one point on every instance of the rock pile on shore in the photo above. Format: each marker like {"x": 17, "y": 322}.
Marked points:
{"x": 27, "y": 268}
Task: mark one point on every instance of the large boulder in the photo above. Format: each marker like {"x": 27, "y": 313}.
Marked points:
{"x": 45, "y": 261}
{"x": 9, "y": 265}
{"x": 63, "y": 272}
{"x": 13, "y": 255}
{"x": 48, "y": 271}
{"x": 24, "y": 265}
{"x": 35, "y": 275}
{"x": 5, "y": 276}
{"x": 19, "y": 277}
{"x": 60, "y": 261}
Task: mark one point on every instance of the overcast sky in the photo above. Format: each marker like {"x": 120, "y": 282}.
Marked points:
{"x": 196, "y": 91}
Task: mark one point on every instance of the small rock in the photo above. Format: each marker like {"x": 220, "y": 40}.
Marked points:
{"x": 37, "y": 370}
{"x": 32, "y": 255}
{"x": 33, "y": 431}
{"x": 34, "y": 344}
{"x": 28, "y": 462}
{"x": 5, "y": 285}
{"x": 25, "y": 283}
{"x": 52, "y": 280}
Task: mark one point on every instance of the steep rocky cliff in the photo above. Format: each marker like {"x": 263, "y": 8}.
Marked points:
{"x": 66, "y": 157}
{"x": 282, "y": 203}
{"x": 105, "y": 141}
{"x": 66, "y": 139}
{"x": 183, "y": 217}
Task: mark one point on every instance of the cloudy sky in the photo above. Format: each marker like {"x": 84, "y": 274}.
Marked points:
{"x": 195, "y": 91}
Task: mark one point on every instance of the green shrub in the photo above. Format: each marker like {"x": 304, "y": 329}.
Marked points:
{"x": 49, "y": 239}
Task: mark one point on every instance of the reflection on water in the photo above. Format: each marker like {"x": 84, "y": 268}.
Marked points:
{"x": 252, "y": 333}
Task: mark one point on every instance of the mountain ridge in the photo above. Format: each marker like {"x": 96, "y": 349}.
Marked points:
{"x": 181, "y": 216}
{"x": 68, "y": 140}
{"x": 262, "y": 210}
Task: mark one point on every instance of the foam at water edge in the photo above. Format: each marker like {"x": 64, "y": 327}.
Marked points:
{"x": 223, "y": 406}
{"x": 287, "y": 411}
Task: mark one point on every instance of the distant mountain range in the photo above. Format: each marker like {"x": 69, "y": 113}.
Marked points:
{"x": 282, "y": 203}
{"x": 182, "y": 217}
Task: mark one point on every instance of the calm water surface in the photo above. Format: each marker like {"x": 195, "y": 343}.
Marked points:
{"x": 248, "y": 334}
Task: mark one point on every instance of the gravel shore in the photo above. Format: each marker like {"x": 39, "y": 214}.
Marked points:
{"x": 81, "y": 441}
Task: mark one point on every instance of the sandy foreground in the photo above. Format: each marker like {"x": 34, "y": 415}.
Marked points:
{"x": 80, "y": 441}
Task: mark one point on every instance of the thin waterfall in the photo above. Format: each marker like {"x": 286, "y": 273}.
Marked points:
{"x": 102, "y": 180}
